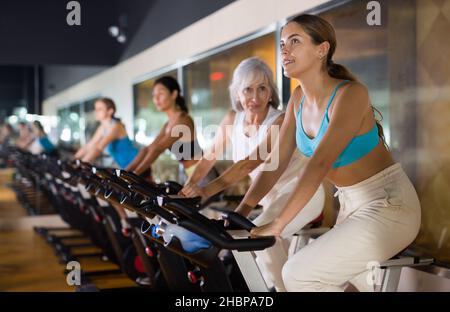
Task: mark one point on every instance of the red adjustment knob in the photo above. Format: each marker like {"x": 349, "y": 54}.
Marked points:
{"x": 126, "y": 232}
{"x": 317, "y": 222}
{"x": 97, "y": 219}
{"x": 149, "y": 251}
{"x": 195, "y": 276}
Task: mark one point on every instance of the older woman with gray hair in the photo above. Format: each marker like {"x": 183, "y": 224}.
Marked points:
{"x": 250, "y": 128}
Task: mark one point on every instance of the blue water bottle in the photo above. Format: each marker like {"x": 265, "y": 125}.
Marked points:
{"x": 190, "y": 242}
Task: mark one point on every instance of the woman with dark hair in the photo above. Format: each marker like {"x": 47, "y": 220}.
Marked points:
{"x": 41, "y": 143}
{"x": 330, "y": 120}
{"x": 177, "y": 134}
{"x": 111, "y": 136}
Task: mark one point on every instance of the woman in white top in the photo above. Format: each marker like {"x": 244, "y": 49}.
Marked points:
{"x": 251, "y": 130}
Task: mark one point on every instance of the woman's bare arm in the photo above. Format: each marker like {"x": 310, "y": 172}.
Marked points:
{"x": 280, "y": 156}
{"x": 221, "y": 141}
{"x": 342, "y": 128}
{"x": 95, "y": 138}
{"x": 242, "y": 168}
{"x": 96, "y": 149}
{"x": 167, "y": 137}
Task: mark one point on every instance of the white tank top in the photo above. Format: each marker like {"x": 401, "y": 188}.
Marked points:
{"x": 243, "y": 145}
{"x": 35, "y": 148}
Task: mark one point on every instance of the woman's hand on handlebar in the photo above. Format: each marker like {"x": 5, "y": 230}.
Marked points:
{"x": 193, "y": 190}
{"x": 269, "y": 229}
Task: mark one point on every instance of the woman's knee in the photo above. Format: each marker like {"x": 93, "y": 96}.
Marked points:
{"x": 295, "y": 273}
{"x": 287, "y": 276}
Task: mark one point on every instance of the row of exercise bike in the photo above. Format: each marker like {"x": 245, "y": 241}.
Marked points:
{"x": 173, "y": 243}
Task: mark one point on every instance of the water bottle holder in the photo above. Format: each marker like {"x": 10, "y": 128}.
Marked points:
{"x": 203, "y": 257}
{"x": 142, "y": 214}
{"x": 135, "y": 222}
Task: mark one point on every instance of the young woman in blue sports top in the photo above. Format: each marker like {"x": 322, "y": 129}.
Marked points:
{"x": 110, "y": 135}
{"x": 330, "y": 120}
{"x": 41, "y": 141}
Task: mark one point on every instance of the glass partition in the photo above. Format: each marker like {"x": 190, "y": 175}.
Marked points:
{"x": 206, "y": 82}
{"x": 69, "y": 126}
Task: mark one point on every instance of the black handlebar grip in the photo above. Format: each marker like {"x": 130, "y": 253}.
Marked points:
{"x": 227, "y": 242}
{"x": 172, "y": 187}
{"x": 239, "y": 220}
{"x": 130, "y": 177}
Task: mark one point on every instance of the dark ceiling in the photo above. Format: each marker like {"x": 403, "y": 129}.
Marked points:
{"x": 40, "y": 54}
{"x": 36, "y": 31}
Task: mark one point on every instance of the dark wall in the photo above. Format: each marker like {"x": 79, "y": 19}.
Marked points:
{"x": 17, "y": 89}
{"x": 147, "y": 23}
{"x": 58, "y": 77}
{"x": 36, "y": 32}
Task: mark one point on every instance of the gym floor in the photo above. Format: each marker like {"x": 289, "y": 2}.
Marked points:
{"x": 27, "y": 262}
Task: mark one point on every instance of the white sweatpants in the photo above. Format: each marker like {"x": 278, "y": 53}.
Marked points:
{"x": 272, "y": 260}
{"x": 378, "y": 218}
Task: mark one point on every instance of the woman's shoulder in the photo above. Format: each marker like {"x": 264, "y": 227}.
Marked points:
{"x": 353, "y": 91}
{"x": 294, "y": 100}
{"x": 229, "y": 118}
{"x": 116, "y": 125}
{"x": 353, "y": 87}
{"x": 275, "y": 116}
{"x": 352, "y": 95}
{"x": 297, "y": 93}
{"x": 183, "y": 118}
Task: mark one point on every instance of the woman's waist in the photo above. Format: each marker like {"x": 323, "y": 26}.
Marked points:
{"x": 360, "y": 170}
{"x": 375, "y": 185}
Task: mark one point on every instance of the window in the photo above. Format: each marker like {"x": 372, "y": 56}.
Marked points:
{"x": 206, "y": 82}
{"x": 89, "y": 123}
{"x": 205, "y": 88}
{"x": 69, "y": 126}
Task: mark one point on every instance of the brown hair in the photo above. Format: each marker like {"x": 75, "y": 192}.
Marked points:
{"x": 320, "y": 31}
{"x": 38, "y": 125}
{"x": 109, "y": 103}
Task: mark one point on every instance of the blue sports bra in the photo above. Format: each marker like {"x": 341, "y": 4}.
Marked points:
{"x": 358, "y": 147}
{"x": 121, "y": 150}
{"x": 46, "y": 144}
